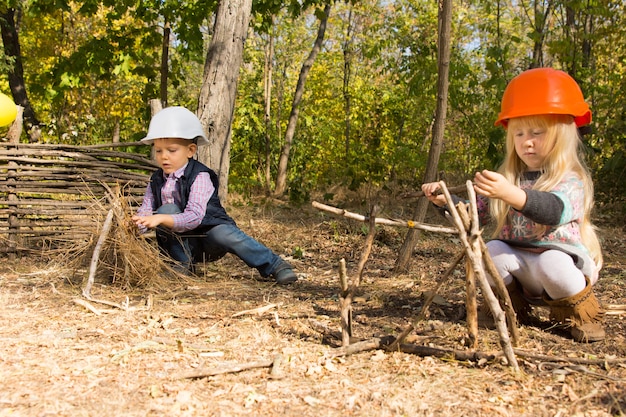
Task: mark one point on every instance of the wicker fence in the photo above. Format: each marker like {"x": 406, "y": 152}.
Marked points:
{"x": 49, "y": 193}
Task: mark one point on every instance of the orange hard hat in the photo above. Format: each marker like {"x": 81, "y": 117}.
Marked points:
{"x": 543, "y": 91}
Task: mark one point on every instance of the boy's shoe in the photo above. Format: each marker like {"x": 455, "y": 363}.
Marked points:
{"x": 284, "y": 274}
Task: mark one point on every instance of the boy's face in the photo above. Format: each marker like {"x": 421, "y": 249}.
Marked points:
{"x": 173, "y": 153}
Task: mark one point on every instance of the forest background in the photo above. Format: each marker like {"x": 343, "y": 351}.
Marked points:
{"x": 366, "y": 114}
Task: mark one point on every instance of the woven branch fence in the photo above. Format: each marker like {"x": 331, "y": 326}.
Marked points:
{"x": 50, "y": 193}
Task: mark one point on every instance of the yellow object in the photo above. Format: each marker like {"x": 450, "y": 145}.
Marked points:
{"x": 8, "y": 110}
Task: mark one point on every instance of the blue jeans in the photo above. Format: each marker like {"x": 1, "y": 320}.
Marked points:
{"x": 213, "y": 244}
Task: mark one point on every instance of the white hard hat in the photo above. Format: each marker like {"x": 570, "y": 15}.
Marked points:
{"x": 175, "y": 122}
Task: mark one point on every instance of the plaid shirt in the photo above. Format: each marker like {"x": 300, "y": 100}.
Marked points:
{"x": 199, "y": 195}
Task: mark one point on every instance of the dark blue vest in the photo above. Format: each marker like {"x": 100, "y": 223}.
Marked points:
{"x": 215, "y": 213}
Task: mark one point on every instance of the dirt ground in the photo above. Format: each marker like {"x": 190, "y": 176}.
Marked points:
{"x": 58, "y": 357}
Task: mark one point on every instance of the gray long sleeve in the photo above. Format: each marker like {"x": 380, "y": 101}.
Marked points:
{"x": 543, "y": 207}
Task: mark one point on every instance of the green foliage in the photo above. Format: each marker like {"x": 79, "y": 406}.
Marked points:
{"x": 91, "y": 66}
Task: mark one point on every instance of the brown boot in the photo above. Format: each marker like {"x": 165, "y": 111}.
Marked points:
{"x": 581, "y": 313}
{"x": 520, "y": 304}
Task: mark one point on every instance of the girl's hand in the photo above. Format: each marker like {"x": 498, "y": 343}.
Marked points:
{"x": 429, "y": 190}
{"x": 494, "y": 185}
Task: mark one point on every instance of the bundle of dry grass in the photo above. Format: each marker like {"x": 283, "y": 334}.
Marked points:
{"x": 115, "y": 252}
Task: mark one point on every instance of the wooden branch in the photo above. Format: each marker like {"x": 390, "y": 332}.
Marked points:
{"x": 498, "y": 283}
{"x": 417, "y": 194}
{"x": 347, "y": 296}
{"x": 581, "y": 361}
{"x": 386, "y": 343}
{"x": 615, "y": 309}
{"x": 87, "y": 306}
{"x": 343, "y": 276}
{"x": 462, "y": 355}
{"x": 475, "y": 255}
{"x": 471, "y": 306}
{"x": 362, "y": 346}
{"x": 233, "y": 368}
{"x": 74, "y": 163}
{"x": 123, "y": 306}
{"x": 345, "y": 307}
{"x": 50, "y": 149}
{"x": 388, "y": 222}
{"x": 106, "y": 227}
{"x": 259, "y": 311}
{"x": 427, "y": 302}
{"x": 367, "y": 247}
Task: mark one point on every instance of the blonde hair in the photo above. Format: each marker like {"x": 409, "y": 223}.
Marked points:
{"x": 564, "y": 142}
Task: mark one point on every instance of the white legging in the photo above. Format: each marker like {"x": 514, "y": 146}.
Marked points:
{"x": 551, "y": 271}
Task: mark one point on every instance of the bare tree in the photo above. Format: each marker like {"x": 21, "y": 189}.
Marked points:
{"x": 216, "y": 103}
{"x": 443, "y": 58}
{"x": 281, "y": 176}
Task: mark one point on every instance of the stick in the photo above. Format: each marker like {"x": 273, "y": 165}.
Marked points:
{"x": 422, "y": 314}
{"x": 615, "y": 309}
{"x": 389, "y": 222}
{"x": 259, "y": 311}
{"x": 362, "y": 346}
{"x": 96, "y": 253}
{"x": 87, "y": 306}
{"x": 227, "y": 369}
{"x": 481, "y": 248}
{"x": 471, "y": 307}
{"x": 475, "y": 257}
{"x": 438, "y": 352}
{"x": 416, "y": 194}
{"x": 347, "y": 296}
{"x": 345, "y": 305}
{"x": 109, "y": 303}
{"x": 367, "y": 248}
{"x": 581, "y": 361}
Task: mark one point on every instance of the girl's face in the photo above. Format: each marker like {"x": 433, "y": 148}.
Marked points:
{"x": 173, "y": 153}
{"x": 531, "y": 145}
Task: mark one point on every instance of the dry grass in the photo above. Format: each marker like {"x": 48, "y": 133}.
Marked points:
{"x": 125, "y": 259}
{"x": 58, "y": 358}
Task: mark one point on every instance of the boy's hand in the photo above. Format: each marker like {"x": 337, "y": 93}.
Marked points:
{"x": 154, "y": 220}
{"x": 429, "y": 189}
{"x": 494, "y": 185}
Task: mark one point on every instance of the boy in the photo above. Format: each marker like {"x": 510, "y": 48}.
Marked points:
{"x": 182, "y": 203}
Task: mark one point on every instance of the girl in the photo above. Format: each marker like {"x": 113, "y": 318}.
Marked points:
{"x": 545, "y": 247}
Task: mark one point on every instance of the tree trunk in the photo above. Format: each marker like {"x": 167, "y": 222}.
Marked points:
{"x": 267, "y": 97}
{"x": 540, "y": 25}
{"x": 281, "y": 176}
{"x": 347, "y": 72}
{"x": 216, "y": 104}
{"x": 116, "y": 131}
{"x": 165, "y": 52}
{"x": 445, "y": 20}
{"x": 12, "y": 51}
